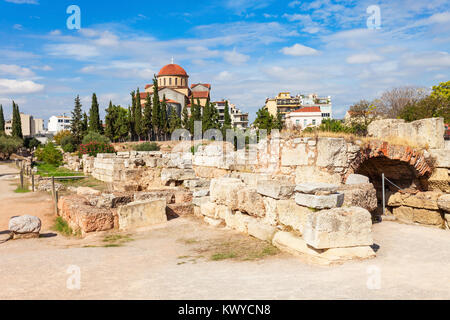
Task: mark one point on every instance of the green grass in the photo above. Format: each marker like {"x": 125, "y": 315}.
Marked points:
{"x": 116, "y": 240}
{"x": 62, "y": 227}
{"x": 223, "y": 256}
{"x": 49, "y": 170}
{"x": 19, "y": 189}
{"x": 86, "y": 182}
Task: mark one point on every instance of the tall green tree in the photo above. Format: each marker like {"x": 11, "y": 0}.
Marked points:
{"x": 76, "y": 125}
{"x": 121, "y": 126}
{"x": 16, "y": 122}
{"x": 2, "y": 121}
{"x": 147, "y": 127}
{"x": 156, "y": 109}
{"x": 132, "y": 115}
{"x": 163, "y": 120}
{"x": 264, "y": 120}
{"x": 94, "y": 116}
{"x": 442, "y": 90}
{"x": 110, "y": 119}
{"x": 174, "y": 121}
{"x": 138, "y": 116}
{"x": 185, "y": 118}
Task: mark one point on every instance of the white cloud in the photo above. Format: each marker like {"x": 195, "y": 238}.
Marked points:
{"x": 428, "y": 59}
{"x": 18, "y": 27}
{"x": 299, "y": 50}
{"x": 74, "y": 50}
{"x": 43, "y": 68}
{"x": 224, "y": 76}
{"x": 363, "y": 58}
{"x": 235, "y": 57}
{"x": 15, "y": 70}
{"x": 9, "y": 86}
{"x": 55, "y": 33}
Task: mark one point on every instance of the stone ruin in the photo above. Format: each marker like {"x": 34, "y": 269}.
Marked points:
{"x": 314, "y": 196}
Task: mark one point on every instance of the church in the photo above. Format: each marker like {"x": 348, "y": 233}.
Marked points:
{"x": 173, "y": 83}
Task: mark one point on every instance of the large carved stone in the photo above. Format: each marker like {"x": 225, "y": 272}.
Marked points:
{"x": 421, "y": 200}
{"x": 360, "y": 195}
{"x": 416, "y": 215}
{"x": 142, "y": 214}
{"x": 320, "y": 201}
{"x": 444, "y": 202}
{"x": 331, "y": 152}
{"x": 275, "y": 189}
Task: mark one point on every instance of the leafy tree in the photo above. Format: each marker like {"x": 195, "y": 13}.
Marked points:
{"x": 95, "y": 137}
{"x": 185, "y": 118}
{"x": 85, "y": 123}
{"x": 138, "y": 115}
{"x": 76, "y": 126}
{"x": 156, "y": 109}
{"x": 60, "y": 135}
{"x": 31, "y": 143}
{"x": 441, "y": 90}
{"x": 163, "y": 121}
{"x": 110, "y": 119}
{"x": 2, "y": 121}
{"x": 94, "y": 116}
{"x": 278, "y": 123}
{"x": 429, "y": 107}
{"x": 226, "y": 117}
{"x": 147, "y": 127}
{"x": 264, "y": 120}
{"x": 132, "y": 115}
{"x": 9, "y": 145}
{"x": 49, "y": 154}
{"x": 16, "y": 122}
{"x": 174, "y": 121}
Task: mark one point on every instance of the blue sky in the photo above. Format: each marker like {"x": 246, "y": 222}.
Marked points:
{"x": 247, "y": 50}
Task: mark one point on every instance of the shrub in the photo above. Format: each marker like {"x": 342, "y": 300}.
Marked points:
{"x": 95, "y": 147}
{"x": 68, "y": 147}
{"x": 68, "y": 144}
{"x": 9, "y": 145}
{"x": 95, "y": 137}
{"x": 49, "y": 154}
{"x": 147, "y": 146}
{"x": 31, "y": 143}
{"x": 60, "y": 136}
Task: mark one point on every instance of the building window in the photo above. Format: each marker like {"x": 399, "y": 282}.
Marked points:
{"x": 314, "y": 122}
{"x": 170, "y": 81}
{"x": 176, "y": 81}
{"x": 164, "y": 81}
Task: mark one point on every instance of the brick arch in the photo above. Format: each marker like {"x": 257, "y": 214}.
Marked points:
{"x": 401, "y": 154}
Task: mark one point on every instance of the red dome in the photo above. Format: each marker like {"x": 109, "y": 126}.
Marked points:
{"x": 172, "y": 70}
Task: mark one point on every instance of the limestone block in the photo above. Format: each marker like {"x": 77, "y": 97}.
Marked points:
{"x": 250, "y": 179}
{"x": 421, "y": 200}
{"x": 289, "y": 242}
{"x": 251, "y": 202}
{"x": 331, "y": 152}
{"x": 422, "y": 216}
{"x": 308, "y": 174}
{"x": 444, "y": 202}
{"x": 320, "y": 202}
{"x": 270, "y": 206}
{"x": 175, "y": 174}
{"x": 339, "y": 227}
{"x": 292, "y": 215}
{"x": 201, "y": 193}
{"x": 357, "y": 179}
{"x": 440, "y": 180}
{"x": 213, "y": 222}
{"x": 294, "y": 156}
{"x": 198, "y": 201}
{"x": 238, "y": 221}
{"x": 86, "y": 191}
{"x": 225, "y": 191}
{"x": 260, "y": 230}
{"x": 275, "y": 189}
{"x": 442, "y": 157}
{"x": 142, "y": 214}
{"x": 222, "y": 212}
{"x": 208, "y": 209}
{"x": 360, "y": 195}
{"x": 313, "y": 187}
{"x": 345, "y": 254}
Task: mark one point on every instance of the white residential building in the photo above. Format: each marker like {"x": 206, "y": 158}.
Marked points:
{"x": 239, "y": 119}
{"x": 305, "y": 117}
{"x": 58, "y": 123}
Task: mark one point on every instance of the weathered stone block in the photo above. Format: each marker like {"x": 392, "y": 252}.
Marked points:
{"x": 422, "y": 216}
{"x": 24, "y": 224}
{"x": 251, "y": 202}
{"x": 238, "y": 221}
{"x": 213, "y": 222}
{"x": 142, "y": 214}
{"x": 173, "y": 174}
{"x": 331, "y": 152}
{"x": 313, "y": 187}
{"x": 308, "y": 174}
{"x": 444, "y": 202}
{"x": 297, "y": 156}
{"x": 357, "y": 179}
{"x": 360, "y": 195}
{"x": 339, "y": 227}
{"x": 261, "y": 230}
{"x": 293, "y": 244}
{"x": 320, "y": 202}
{"x": 225, "y": 191}
{"x": 292, "y": 215}
{"x": 201, "y": 193}
{"x": 275, "y": 189}
{"x": 421, "y": 200}
{"x": 208, "y": 209}
{"x": 442, "y": 157}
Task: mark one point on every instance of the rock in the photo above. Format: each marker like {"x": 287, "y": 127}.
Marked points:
{"x": 292, "y": 215}
{"x": 345, "y": 254}
{"x": 87, "y": 191}
{"x": 297, "y": 156}
{"x": 142, "y": 214}
{"x": 444, "y": 202}
{"x": 339, "y": 227}
{"x": 422, "y": 216}
{"x": 238, "y": 221}
{"x": 46, "y": 185}
{"x": 289, "y": 242}
{"x": 222, "y": 212}
{"x": 109, "y": 200}
{"x": 320, "y": 202}
{"x": 169, "y": 175}
{"x": 261, "y": 230}
{"x": 308, "y": 174}
{"x": 25, "y": 224}
{"x": 213, "y": 222}
{"x": 441, "y": 157}
{"x": 208, "y": 209}
{"x": 225, "y": 191}
{"x": 360, "y": 195}
{"x": 275, "y": 189}
{"x": 198, "y": 201}
{"x": 201, "y": 193}
{"x": 440, "y": 180}
{"x": 421, "y": 200}
{"x": 357, "y": 179}
{"x": 250, "y": 179}
{"x": 331, "y": 152}
{"x": 251, "y": 202}
{"x": 313, "y": 187}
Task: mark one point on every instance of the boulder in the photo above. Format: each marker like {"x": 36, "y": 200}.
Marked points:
{"x": 339, "y": 228}
{"x": 320, "y": 202}
{"x": 261, "y": 230}
{"x": 225, "y": 191}
{"x": 314, "y": 187}
{"x": 444, "y": 202}
{"x": 275, "y": 189}
{"x": 25, "y": 224}
{"x": 142, "y": 214}
{"x": 360, "y": 195}
{"x": 357, "y": 179}
{"x": 251, "y": 202}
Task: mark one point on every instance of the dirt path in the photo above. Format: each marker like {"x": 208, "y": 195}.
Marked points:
{"x": 173, "y": 261}
{"x": 38, "y": 204}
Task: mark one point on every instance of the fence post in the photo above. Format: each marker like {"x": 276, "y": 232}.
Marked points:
{"x": 56, "y": 202}
{"x": 32, "y": 181}
{"x": 384, "y": 195}
{"x": 21, "y": 178}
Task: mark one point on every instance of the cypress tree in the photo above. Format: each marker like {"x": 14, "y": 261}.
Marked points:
{"x": 132, "y": 115}
{"x": 147, "y": 128}
{"x": 164, "y": 123}
{"x": 138, "y": 116}
{"x": 185, "y": 118}
{"x": 110, "y": 118}
{"x": 206, "y": 117}
{"x": 85, "y": 123}
{"x": 156, "y": 110}
{"x": 121, "y": 127}
{"x": 2, "y": 121}
{"x": 76, "y": 125}
{"x": 94, "y": 116}
{"x": 16, "y": 122}
{"x": 174, "y": 121}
